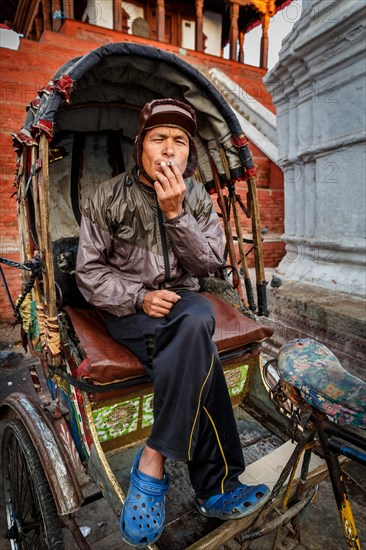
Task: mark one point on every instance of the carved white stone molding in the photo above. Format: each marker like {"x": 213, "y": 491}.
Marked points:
{"x": 318, "y": 87}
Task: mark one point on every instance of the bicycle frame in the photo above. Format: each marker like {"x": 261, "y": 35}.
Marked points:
{"x": 325, "y": 437}
{"x": 326, "y": 431}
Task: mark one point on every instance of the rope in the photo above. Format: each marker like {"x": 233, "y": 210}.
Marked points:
{"x": 41, "y": 323}
{"x": 26, "y": 266}
{"x": 25, "y": 311}
{"x": 52, "y": 336}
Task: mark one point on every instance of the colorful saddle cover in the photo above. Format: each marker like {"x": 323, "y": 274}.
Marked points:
{"x": 322, "y": 381}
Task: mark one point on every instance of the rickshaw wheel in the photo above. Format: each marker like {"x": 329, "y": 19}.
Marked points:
{"x": 31, "y": 514}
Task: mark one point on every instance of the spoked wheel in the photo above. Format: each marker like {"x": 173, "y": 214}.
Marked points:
{"x": 31, "y": 515}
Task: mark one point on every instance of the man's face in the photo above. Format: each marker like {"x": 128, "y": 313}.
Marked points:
{"x": 164, "y": 144}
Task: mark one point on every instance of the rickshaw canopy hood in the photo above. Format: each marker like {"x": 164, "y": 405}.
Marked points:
{"x": 107, "y": 88}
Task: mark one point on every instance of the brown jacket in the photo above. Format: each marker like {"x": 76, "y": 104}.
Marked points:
{"x": 127, "y": 248}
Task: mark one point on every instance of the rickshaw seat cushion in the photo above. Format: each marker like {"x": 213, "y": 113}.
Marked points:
{"x": 233, "y": 330}
{"x": 110, "y": 362}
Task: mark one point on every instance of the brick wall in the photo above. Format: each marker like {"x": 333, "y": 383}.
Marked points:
{"x": 24, "y": 72}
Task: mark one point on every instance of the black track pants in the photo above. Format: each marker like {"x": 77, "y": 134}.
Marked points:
{"x": 193, "y": 416}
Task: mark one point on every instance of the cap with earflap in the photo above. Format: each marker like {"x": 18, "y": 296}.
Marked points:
{"x": 172, "y": 113}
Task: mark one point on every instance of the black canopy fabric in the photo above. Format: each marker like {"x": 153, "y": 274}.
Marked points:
{"x": 150, "y": 68}
{"x": 106, "y": 89}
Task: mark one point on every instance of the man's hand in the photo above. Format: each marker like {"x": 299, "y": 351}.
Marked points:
{"x": 170, "y": 189}
{"x": 158, "y": 303}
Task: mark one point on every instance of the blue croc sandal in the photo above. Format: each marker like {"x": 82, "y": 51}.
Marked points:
{"x": 143, "y": 515}
{"x": 244, "y": 500}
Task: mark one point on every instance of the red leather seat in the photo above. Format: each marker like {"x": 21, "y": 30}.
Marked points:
{"x": 108, "y": 362}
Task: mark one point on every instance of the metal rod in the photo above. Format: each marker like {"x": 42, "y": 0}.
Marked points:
{"x": 7, "y": 290}
{"x": 339, "y": 490}
{"x": 349, "y": 452}
{"x": 243, "y": 259}
{"x": 258, "y": 249}
{"x": 301, "y": 488}
{"x": 279, "y": 520}
{"x": 227, "y": 227}
{"x": 281, "y": 480}
{"x": 73, "y": 527}
{"x": 286, "y": 496}
{"x": 239, "y": 232}
{"x": 343, "y": 433}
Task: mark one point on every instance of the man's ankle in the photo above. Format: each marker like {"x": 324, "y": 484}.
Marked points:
{"x": 152, "y": 463}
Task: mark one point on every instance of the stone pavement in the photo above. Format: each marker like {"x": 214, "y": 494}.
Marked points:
{"x": 321, "y": 529}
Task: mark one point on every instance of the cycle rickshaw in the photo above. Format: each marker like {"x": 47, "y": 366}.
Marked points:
{"x": 84, "y": 428}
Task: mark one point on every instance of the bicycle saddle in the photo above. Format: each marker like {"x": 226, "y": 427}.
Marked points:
{"x": 317, "y": 374}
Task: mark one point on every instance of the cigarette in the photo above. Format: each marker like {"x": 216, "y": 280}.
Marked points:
{"x": 170, "y": 162}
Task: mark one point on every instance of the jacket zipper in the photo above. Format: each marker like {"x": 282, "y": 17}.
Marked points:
{"x": 164, "y": 244}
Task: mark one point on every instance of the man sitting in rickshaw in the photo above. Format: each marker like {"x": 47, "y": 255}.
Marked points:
{"x": 146, "y": 238}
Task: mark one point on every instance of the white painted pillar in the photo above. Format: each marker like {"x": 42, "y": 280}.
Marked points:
{"x": 318, "y": 87}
